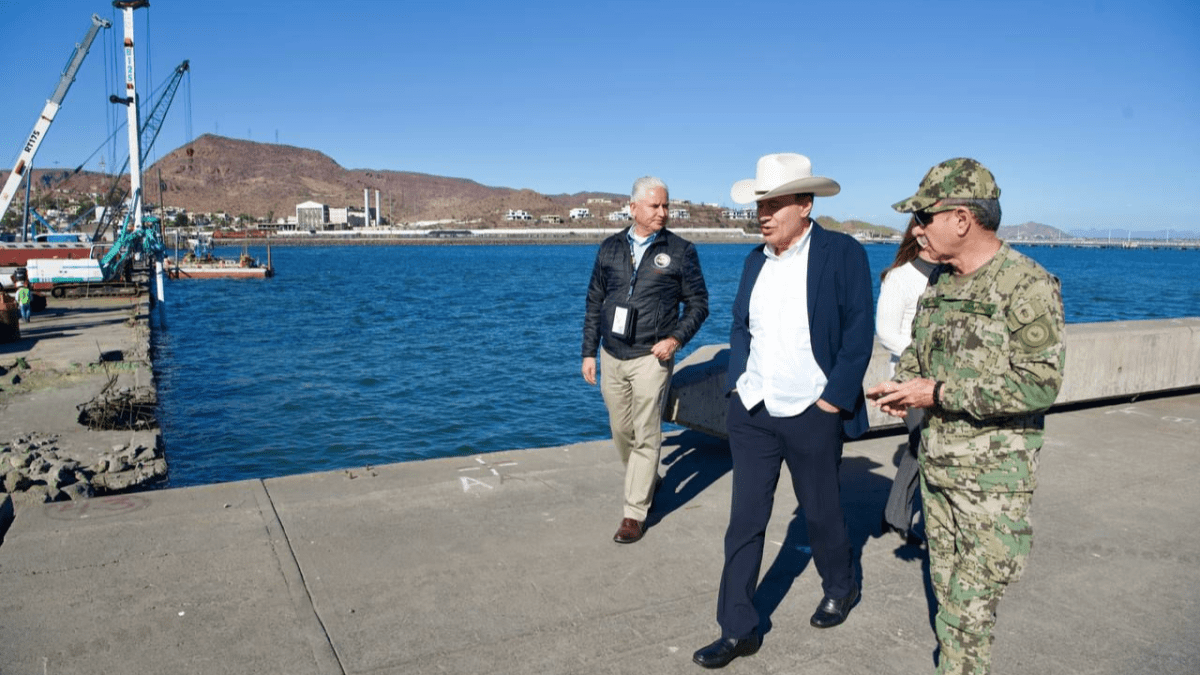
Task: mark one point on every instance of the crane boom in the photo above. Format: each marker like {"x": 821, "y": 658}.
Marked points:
{"x": 147, "y": 134}
{"x": 154, "y": 120}
{"x": 25, "y": 159}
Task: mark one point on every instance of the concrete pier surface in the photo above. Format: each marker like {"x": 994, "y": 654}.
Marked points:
{"x": 503, "y": 563}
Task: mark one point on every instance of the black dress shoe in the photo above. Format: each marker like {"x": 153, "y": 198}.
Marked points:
{"x": 833, "y": 611}
{"x": 721, "y": 652}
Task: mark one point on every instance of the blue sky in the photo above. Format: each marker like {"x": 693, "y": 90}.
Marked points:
{"x": 1088, "y": 112}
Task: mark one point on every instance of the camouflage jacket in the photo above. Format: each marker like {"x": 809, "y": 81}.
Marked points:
{"x": 995, "y": 341}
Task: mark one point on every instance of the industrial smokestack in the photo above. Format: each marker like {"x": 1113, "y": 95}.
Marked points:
{"x": 377, "y": 211}
{"x": 366, "y": 207}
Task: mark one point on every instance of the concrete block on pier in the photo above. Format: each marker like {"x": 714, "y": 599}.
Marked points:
{"x": 1112, "y": 359}
{"x": 697, "y": 397}
{"x": 1124, "y": 358}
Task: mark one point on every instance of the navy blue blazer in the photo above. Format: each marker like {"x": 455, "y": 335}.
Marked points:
{"x": 841, "y": 317}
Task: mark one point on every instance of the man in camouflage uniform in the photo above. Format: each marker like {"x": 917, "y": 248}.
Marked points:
{"x": 985, "y": 362}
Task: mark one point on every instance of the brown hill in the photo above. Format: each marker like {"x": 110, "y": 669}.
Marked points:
{"x": 266, "y": 181}
{"x": 215, "y": 174}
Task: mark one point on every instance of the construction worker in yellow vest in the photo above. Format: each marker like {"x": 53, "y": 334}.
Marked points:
{"x": 23, "y": 298}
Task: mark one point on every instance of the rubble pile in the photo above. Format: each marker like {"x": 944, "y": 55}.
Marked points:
{"x": 35, "y": 469}
{"x": 119, "y": 409}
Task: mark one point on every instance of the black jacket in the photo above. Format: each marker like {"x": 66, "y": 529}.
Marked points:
{"x": 668, "y": 276}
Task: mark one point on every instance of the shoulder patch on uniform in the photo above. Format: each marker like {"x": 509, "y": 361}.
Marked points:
{"x": 1025, "y": 312}
{"x": 1031, "y": 322}
{"x": 1038, "y": 333}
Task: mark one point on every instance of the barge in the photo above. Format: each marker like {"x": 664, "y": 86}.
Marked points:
{"x": 244, "y": 267}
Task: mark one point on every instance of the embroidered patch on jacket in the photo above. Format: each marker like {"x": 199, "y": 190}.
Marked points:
{"x": 662, "y": 261}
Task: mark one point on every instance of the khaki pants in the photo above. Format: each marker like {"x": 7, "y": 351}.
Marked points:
{"x": 635, "y": 391}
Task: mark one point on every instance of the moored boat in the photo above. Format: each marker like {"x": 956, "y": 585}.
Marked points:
{"x": 191, "y": 267}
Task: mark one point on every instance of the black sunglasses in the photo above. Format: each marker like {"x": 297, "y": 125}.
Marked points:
{"x": 925, "y": 216}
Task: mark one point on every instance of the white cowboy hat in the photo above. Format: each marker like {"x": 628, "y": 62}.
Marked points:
{"x": 783, "y": 173}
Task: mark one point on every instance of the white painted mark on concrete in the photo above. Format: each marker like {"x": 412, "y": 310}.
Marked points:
{"x": 491, "y": 468}
{"x": 1132, "y": 410}
{"x": 468, "y": 483}
{"x": 1127, "y": 411}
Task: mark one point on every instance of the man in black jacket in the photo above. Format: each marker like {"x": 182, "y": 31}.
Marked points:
{"x": 640, "y": 278}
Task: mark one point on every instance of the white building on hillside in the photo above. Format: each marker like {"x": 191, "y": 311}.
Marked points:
{"x": 740, "y": 214}
{"x": 623, "y": 214}
{"x": 312, "y": 215}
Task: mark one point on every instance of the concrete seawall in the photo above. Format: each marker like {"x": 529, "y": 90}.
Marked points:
{"x": 1106, "y": 360}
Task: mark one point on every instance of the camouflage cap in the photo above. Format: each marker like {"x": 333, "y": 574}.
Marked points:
{"x": 959, "y": 178}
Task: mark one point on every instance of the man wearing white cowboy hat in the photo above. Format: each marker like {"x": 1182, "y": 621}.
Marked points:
{"x": 803, "y": 332}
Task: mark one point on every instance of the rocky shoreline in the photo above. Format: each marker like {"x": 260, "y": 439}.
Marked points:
{"x": 77, "y": 401}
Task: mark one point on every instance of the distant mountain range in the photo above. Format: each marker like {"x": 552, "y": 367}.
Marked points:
{"x": 1030, "y": 230}
{"x": 264, "y": 180}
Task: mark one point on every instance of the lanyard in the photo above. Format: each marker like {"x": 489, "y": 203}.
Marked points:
{"x": 633, "y": 261}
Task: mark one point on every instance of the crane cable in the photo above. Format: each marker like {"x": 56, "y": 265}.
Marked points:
{"x": 120, "y": 125}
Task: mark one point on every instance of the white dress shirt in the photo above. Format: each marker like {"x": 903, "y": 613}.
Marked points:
{"x": 781, "y": 371}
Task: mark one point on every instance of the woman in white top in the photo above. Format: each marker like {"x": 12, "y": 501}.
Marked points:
{"x": 901, "y": 286}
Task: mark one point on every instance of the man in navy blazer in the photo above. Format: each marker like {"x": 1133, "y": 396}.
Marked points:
{"x": 802, "y": 336}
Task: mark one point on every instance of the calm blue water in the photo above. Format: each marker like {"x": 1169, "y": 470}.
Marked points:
{"x": 369, "y": 355}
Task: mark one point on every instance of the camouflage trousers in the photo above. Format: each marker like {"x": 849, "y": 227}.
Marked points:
{"x": 978, "y": 544}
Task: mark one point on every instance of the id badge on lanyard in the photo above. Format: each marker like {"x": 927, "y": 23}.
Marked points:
{"x": 624, "y": 314}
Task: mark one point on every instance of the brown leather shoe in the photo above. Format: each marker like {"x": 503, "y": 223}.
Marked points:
{"x": 630, "y": 531}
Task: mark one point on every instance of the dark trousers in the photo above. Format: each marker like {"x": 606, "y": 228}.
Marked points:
{"x": 811, "y": 444}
